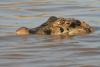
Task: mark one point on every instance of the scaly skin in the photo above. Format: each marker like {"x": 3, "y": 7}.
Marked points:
{"x": 58, "y": 26}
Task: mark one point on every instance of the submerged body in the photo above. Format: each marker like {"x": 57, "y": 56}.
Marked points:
{"x": 58, "y": 26}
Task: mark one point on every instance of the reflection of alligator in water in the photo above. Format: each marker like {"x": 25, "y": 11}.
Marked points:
{"x": 58, "y": 26}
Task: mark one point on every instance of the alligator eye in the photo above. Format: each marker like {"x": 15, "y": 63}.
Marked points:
{"x": 78, "y": 23}
{"x": 52, "y": 19}
{"x": 73, "y": 25}
{"x": 61, "y": 29}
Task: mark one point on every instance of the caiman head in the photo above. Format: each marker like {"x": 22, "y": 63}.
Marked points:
{"x": 72, "y": 26}
{"x": 59, "y": 26}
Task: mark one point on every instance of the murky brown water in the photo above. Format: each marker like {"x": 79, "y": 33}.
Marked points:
{"x": 47, "y": 51}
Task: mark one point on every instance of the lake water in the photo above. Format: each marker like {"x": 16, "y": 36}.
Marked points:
{"x": 47, "y": 51}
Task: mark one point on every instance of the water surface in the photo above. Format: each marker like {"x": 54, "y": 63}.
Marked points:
{"x": 47, "y": 51}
